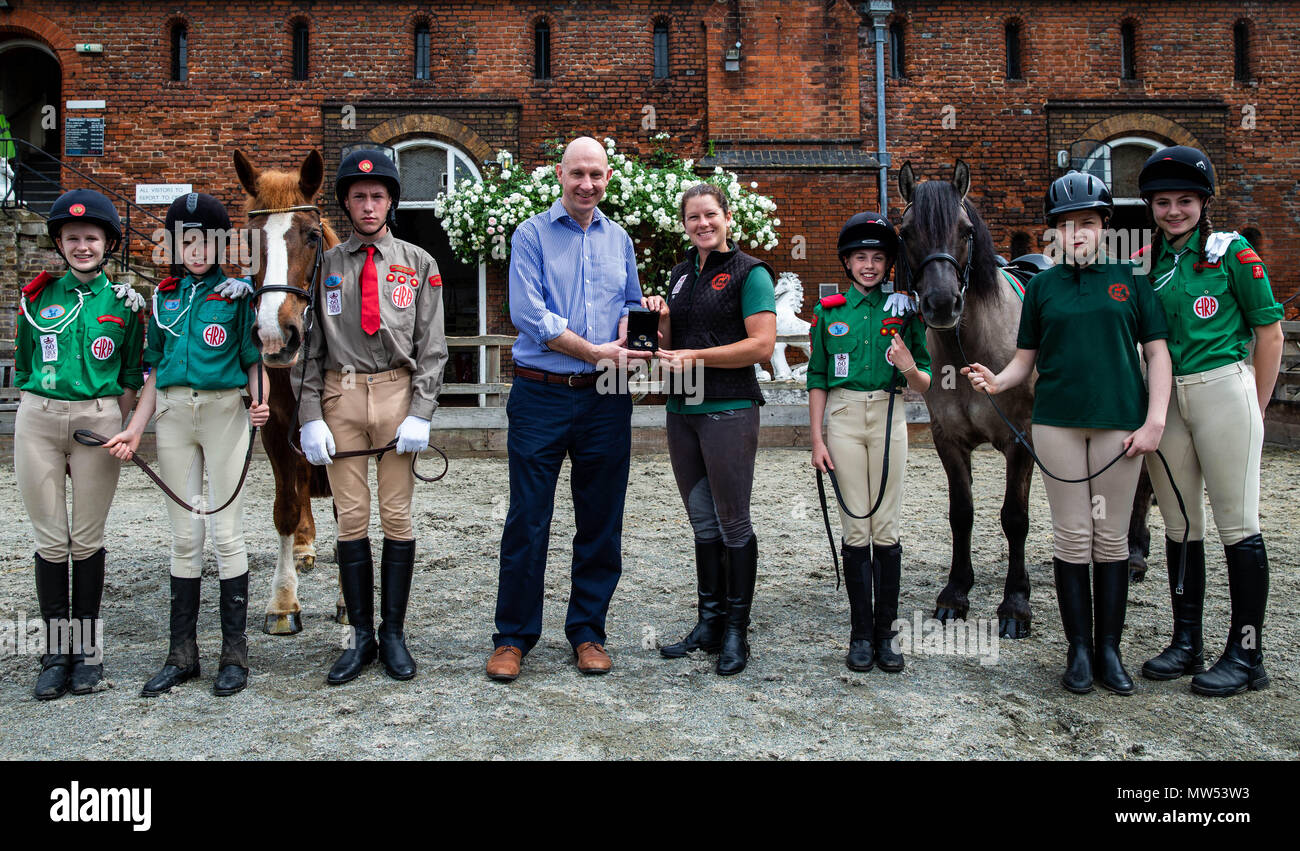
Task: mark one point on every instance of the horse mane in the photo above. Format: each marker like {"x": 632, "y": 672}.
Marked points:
{"x": 279, "y": 189}
{"x": 934, "y": 208}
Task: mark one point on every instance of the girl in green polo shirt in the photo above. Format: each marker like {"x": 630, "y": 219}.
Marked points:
{"x": 200, "y": 345}
{"x": 1216, "y": 295}
{"x": 77, "y": 366}
{"x": 1081, "y": 326}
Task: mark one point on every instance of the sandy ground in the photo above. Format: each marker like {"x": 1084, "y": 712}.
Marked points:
{"x": 795, "y": 701}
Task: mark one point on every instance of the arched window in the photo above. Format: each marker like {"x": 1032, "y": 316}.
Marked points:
{"x": 1014, "y": 71}
{"x": 661, "y": 50}
{"x": 896, "y": 48}
{"x": 422, "y": 52}
{"x": 542, "y": 51}
{"x": 300, "y": 66}
{"x": 1020, "y": 244}
{"x": 1241, "y": 52}
{"x": 180, "y": 52}
{"x": 1128, "y": 51}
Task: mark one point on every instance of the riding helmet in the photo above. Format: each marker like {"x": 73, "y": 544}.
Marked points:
{"x": 370, "y": 164}
{"x": 1076, "y": 191}
{"x": 1176, "y": 168}
{"x": 194, "y": 210}
{"x": 86, "y": 205}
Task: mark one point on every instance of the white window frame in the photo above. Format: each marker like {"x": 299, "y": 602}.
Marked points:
{"x": 1125, "y": 141}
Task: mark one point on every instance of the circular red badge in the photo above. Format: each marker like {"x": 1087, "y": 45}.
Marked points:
{"x": 1119, "y": 292}
{"x": 102, "y": 348}
{"x": 77, "y": 209}
{"x": 403, "y": 296}
{"x": 366, "y": 165}
{"x": 1205, "y": 306}
{"x": 720, "y": 281}
{"x": 214, "y": 335}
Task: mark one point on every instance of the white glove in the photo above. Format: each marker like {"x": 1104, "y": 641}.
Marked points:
{"x": 134, "y": 301}
{"x": 899, "y": 304}
{"x": 233, "y": 288}
{"x": 317, "y": 442}
{"x": 412, "y": 435}
{"x": 1217, "y": 244}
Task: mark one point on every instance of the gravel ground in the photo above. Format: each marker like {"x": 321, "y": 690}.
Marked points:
{"x": 795, "y": 701}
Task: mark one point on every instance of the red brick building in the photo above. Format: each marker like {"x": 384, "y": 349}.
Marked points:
{"x": 1006, "y": 86}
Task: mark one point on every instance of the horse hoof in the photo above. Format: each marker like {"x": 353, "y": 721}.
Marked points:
{"x": 286, "y": 624}
{"x": 304, "y": 563}
{"x": 1136, "y": 573}
{"x": 943, "y": 614}
{"x": 341, "y": 615}
{"x": 1012, "y": 628}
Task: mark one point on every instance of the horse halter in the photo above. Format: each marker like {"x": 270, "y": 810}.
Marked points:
{"x": 963, "y": 272}
{"x": 318, "y": 236}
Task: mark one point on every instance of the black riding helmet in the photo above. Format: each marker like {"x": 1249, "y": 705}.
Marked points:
{"x": 367, "y": 164}
{"x": 194, "y": 210}
{"x": 1076, "y": 191}
{"x": 867, "y": 230}
{"x": 86, "y": 205}
{"x": 1176, "y": 168}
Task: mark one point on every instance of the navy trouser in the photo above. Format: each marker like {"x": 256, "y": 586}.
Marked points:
{"x": 548, "y": 422}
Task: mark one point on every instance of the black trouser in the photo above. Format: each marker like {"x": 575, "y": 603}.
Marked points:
{"x": 713, "y": 462}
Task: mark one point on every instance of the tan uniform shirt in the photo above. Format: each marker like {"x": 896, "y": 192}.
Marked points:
{"x": 410, "y": 322}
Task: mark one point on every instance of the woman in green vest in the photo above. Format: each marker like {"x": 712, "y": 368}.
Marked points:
{"x": 718, "y": 321}
{"x": 1082, "y": 323}
{"x": 77, "y": 366}
{"x": 200, "y": 346}
{"x": 1216, "y": 295}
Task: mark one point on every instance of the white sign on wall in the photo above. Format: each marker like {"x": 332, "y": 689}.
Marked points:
{"x": 160, "y": 193}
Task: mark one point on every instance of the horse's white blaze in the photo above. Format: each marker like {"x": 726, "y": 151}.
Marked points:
{"x": 277, "y": 274}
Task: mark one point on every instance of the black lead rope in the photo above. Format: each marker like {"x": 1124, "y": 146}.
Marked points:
{"x": 1024, "y": 441}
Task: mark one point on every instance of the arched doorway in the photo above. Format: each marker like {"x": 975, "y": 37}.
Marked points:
{"x": 430, "y": 167}
{"x": 1127, "y": 154}
{"x": 31, "y": 83}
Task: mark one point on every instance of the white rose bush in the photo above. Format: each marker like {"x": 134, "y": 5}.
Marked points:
{"x": 481, "y": 217}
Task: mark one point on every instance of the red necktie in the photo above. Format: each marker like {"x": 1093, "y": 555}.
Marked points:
{"x": 370, "y": 293}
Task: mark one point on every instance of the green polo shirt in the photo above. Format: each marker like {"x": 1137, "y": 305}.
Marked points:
{"x": 849, "y": 343}
{"x": 200, "y": 339}
{"x": 77, "y": 341}
{"x": 1212, "y": 310}
{"x": 757, "y": 294}
{"x": 1086, "y": 324}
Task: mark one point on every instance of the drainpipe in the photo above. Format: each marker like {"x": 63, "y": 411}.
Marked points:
{"x": 880, "y": 11}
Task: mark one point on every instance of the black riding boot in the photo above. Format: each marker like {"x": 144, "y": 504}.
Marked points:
{"x": 357, "y": 579}
{"x": 1185, "y": 653}
{"x": 183, "y": 650}
{"x": 396, "y": 567}
{"x": 1110, "y": 596}
{"x": 232, "y": 673}
{"x": 742, "y": 571}
{"x": 858, "y": 583}
{"x": 1074, "y": 596}
{"x": 887, "y": 568}
{"x": 87, "y": 592}
{"x": 712, "y": 606}
{"x": 52, "y": 597}
{"x": 1241, "y": 666}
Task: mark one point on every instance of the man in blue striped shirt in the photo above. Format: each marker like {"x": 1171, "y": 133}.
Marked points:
{"x": 572, "y": 279}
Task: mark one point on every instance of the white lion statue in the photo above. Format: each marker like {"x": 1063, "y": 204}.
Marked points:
{"x": 789, "y": 301}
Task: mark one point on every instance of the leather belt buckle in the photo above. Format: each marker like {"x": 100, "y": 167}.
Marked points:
{"x": 569, "y": 379}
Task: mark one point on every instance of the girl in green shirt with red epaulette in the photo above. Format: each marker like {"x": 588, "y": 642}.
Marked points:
{"x": 200, "y": 345}
{"x": 77, "y": 366}
{"x": 1082, "y": 323}
{"x": 1217, "y": 298}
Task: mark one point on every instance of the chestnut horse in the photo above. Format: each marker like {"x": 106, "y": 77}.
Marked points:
{"x": 288, "y": 248}
{"x": 948, "y": 262}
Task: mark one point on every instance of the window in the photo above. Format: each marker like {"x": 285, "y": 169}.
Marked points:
{"x": 542, "y": 51}
{"x": 1013, "y": 51}
{"x": 661, "y": 51}
{"x": 300, "y": 51}
{"x": 1020, "y": 244}
{"x": 1241, "y": 52}
{"x": 422, "y": 52}
{"x": 180, "y": 53}
{"x": 1128, "y": 51}
{"x": 896, "y": 50}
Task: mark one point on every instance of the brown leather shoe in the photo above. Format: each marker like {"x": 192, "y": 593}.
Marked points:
{"x": 503, "y": 664}
{"x": 592, "y": 658}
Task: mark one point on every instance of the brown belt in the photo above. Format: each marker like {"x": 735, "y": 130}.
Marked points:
{"x": 577, "y": 379}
